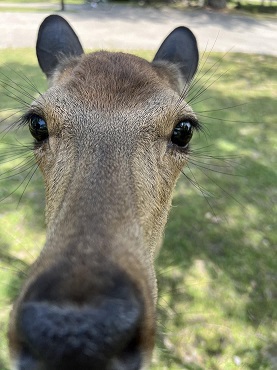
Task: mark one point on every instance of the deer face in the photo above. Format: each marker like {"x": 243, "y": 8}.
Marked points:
{"x": 112, "y": 135}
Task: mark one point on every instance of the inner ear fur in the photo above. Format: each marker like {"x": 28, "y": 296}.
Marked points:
{"x": 170, "y": 74}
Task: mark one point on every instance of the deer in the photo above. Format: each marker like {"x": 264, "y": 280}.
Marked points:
{"x": 111, "y": 136}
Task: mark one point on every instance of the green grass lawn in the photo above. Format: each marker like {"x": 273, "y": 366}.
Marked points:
{"x": 217, "y": 268}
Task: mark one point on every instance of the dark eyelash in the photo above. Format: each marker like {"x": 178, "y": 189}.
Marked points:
{"x": 26, "y": 117}
{"x": 24, "y": 120}
{"x": 196, "y": 125}
{"x": 193, "y": 121}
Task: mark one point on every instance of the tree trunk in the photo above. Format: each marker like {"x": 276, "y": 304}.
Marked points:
{"x": 216, "y": 4}
{"x": 62, "y": 5}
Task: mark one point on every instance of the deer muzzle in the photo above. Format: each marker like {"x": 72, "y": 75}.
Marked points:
{"x": 80, "y": 338}
{"x": 99, "y": 332}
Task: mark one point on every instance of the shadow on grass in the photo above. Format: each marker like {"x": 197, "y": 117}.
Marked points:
{"x": 229, "y": 257}
{"x": 239, "y": 251}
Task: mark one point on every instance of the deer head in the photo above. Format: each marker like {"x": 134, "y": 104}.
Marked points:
{"x": 111, "y": 135}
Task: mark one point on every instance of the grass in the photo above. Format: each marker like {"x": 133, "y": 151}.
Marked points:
{"x": 217, "y": 268}
{"x": 254, "y": 7}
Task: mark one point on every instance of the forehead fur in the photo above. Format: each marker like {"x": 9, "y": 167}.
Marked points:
{"x": 112, "y": 79}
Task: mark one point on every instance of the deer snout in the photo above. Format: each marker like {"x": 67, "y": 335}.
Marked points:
{"x": 81, "y": 338}
{"x": 99, "y": 332}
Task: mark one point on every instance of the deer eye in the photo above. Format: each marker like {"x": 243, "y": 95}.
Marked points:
{"x": 38, "y": 127}
{"x": 182, "y": 133}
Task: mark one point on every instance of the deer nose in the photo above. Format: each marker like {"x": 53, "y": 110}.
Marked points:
{"x": 101, "y": 335}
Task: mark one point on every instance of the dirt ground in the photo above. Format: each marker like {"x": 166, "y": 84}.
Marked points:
{"x": 125, "y": 27}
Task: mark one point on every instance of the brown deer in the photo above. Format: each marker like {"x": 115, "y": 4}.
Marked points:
{"x": 112, "y": 134}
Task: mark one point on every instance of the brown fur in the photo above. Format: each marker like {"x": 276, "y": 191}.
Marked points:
{"x": 109, "y": 172}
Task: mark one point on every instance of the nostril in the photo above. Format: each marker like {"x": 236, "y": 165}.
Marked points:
{"x": 102, "y": 335}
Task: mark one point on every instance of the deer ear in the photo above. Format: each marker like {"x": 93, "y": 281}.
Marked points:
{"x": 56, "y": 39}
{"x": 180, "y": 48}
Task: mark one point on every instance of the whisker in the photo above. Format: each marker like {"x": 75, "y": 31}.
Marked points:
{"x": 12, "y": 157}
{"x": 17, "y": 98}
{"x": 189, "y": 85}
{"x": 217, "y": 63}
{"x": 17, "y": 167}
{"x": 224, "y": 120}
{"x": 203, "y": 89}
{"x": 21, "y": 183}
{"x": 7, "y": 118}
{"x": 12, "y": 85}
{"x": 204, "y": 193}
{"x": 195, "y": 79}
{"x": 223, "y": 108}
{"x": 15, "y": 270}
{"x": 205, "y": 154}
{"x": 196, "y": 185}
{"x": 199, "y": 164}
{"x": 28, "y": 182}
{"x": 222, "y": 189}
{"x": 31, "y": 86}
